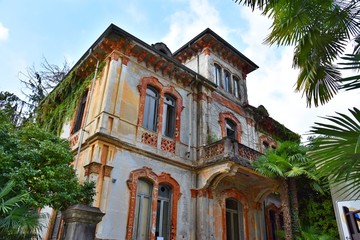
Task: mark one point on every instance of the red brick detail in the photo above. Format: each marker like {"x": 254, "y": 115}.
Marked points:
{"x": 125, "y": 60}
{"x": 167, "y": 145}
{"x": 236, "y": 194}
{"x": 149, "y": 139}
{"x": 193, "y": 193}
{"x": 107, "y": 170}
{"x": 179, "y": 107}
{"x": 227, "y": 103}
{"x": 167, "y": 179}
{"x": 272, "y": 143}
{"x": 146, "y": 81}
{"x": 93, "y": 167}
{"x": 207, "y": 51}
{"x": 222, "y": 119}
{"x": 250, "y": 121}
{"x": 164, "y": 178}
{"x": 154, "y": 82}
{"x": 114, "y": 56}
{"x": 74, "y": 139}
{"x": 214, "y": 150}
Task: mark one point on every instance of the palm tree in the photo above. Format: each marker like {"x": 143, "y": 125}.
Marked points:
{"x": 336, "y": 151}
{"x": 287, "y": 163}
{"x": 319, "y": 31}
{"x": 17, "y": 221}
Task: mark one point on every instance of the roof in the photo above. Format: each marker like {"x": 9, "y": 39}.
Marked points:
{"x": 209, "y": 39}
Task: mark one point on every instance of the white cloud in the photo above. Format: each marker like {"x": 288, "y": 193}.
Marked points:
{"x": 186, "y": 24}
{"x": 4, "y": 32}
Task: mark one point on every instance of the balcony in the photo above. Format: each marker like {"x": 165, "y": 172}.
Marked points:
{"x": 228, "y": 149}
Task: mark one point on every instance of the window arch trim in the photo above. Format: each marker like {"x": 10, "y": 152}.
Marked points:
{"x": 230, "y": 116}
{"x": 156, "y": 180}
{"x": 162, "y": 90}
{"x": 239, "y": 196}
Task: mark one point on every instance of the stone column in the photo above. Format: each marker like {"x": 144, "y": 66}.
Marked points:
{"x": 80, "y": 222}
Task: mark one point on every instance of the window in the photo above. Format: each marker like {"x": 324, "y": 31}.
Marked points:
{"x": 80, "y": 113}
{"x": 142, "y": 210}
{"x": 151, "y": 109}
{"x": 153, "y": 205}
{"x": 168, "y": 124}
{"x": 236, "y": 86}
{"x": 230, "y": 129}
{"x": 227, "y": 82}
{"x": 234, "y": 219}
{"x": 163, "y": 212}
{"x": 217, "y": 74}
{"x": 266, "y": 145}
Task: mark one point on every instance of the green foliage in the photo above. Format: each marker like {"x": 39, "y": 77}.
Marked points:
{"x": 60, "y": 105}
{"x": 336, "y": 151}
{"x": 39, "y": 164}
{"x": 16, "y": 220}
{"x": 289, "y": 159}
{"x": 317, "y": 212}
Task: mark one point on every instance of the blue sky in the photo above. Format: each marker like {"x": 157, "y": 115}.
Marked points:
{"x": 59, "y": 30}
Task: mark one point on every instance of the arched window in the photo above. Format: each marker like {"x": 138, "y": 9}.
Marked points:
{"x": 142, "y": 219}
{"x": 163, "y": 212}
{"x": 236, "y": 86}
{"x": 230, "y": 129}
{"x": 151, "y": 108}
{"x": 168, "y": 124}
{"x": 227, "y": 81}
{"x": 234, "y": 219}
{"x": 217, "y": 74}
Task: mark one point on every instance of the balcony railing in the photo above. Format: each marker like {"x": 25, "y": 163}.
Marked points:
{"x": 229, "y": 149}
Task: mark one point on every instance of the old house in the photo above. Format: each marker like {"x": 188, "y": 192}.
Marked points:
{"x": 168, "y": 138}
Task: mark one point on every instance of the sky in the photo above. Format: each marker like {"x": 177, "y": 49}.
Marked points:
{"x": 63, "y": 31}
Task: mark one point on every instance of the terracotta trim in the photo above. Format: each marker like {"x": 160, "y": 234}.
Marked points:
{"x": 268, "y": 140}
{"x": 165, "y": 178}
{"x": 236, "y": 194}
{"x": 222, "y": 121}
{"x": 229, "y": 104}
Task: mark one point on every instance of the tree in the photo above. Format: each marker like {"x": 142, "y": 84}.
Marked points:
{"x": 39, "y": 83}
{"x": 39, "y": 164}
{"x": 319, "y": 31}
{"x": 16, "y": 220}
{"x": 287, "y": 162}
{"x": 12, "y": 106}
{"x": 337, "y": 151}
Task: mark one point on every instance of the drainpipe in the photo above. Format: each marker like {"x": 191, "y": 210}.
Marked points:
{"x": 87, "y": 110}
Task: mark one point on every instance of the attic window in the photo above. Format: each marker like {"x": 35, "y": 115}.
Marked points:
{"x": 161, "y": 47}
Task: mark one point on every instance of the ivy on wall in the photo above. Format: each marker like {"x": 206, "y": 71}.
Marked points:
{"x": 59, "y": 106}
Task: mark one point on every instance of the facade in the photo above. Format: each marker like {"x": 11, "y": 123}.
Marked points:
{"x": 169, "y": 138}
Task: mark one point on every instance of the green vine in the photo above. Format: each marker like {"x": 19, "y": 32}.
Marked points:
{"x": 59, "y": 106}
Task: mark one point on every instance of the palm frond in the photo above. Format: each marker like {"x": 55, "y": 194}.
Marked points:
{"x": 336, "y": 152}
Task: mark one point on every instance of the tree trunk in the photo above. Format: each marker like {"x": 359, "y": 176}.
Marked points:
{"x": 284, "y": 195}
{"x": 294, "y": 206}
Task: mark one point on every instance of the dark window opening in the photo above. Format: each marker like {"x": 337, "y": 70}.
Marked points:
{"x": 168, "y": 125}
{"x": 151, "y": 109}
{"x": 230, "y": 129}
{"x": 227, "y": 82}
{"x": 234, "y": 220}
{"x": 80, "y": 113}
{"x": 266, "y": 145}
{"x": 217, "y": 74}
